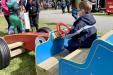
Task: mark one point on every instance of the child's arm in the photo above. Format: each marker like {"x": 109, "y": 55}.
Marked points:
{"x": 4, "y": 5}
{"x": 69, "y": 36}
{"x": 78, "y": 31}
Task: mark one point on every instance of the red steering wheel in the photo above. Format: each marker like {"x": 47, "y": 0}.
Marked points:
{"x": 61, "y": 31}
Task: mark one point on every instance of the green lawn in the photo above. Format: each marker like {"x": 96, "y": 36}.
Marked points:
{"x": 3, "y": 26}
{"x": 101, "y": 14}
{"x": 23, "y": 64}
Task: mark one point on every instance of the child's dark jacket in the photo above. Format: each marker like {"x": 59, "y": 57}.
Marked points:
{"x": 87, "y": 36}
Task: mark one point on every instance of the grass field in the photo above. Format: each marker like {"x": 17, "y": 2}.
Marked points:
{"x": 101, "y": 14}
{"x": 23, "y": 64}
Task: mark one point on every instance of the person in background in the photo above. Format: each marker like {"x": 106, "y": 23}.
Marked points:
{"x": 63, "y": 6}
{"x": 75, "y": 6}
{"x": 21, "y": 10}
{"x": 0, "y": 8}
{"x": 68, "y": 5}
{"x": 24, "y": 3}
{"x": 55, "y": 4}
{"x": 24, "y": 16}
{"x": 84, "y": 31}
{"x": 33, "y": 8}
{"x": 6, "y": 12}
{"x": 14, "y": 19}
{"x": 58, "y": 4}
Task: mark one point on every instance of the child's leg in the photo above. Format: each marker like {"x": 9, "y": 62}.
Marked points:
{"x": 31, "y": 23}
{"x": 11, "y": 29}
{"x": 63, "y": 9}
{"x": 35, "y": 21}
{"x": 21, "y": 26}
{"x": 68, "y": 8}
{"x": 8, "y": 20}
{"x": 12, "y": 25}
{"x": 19, "y": 23}
{"x": 72, "y": 45}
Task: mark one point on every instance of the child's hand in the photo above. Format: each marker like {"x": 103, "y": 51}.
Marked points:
{"x": 68, "y": 36}
{"x": 56, "y": 35}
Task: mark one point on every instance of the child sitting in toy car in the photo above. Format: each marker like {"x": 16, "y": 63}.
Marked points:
{"x": 84, "y": 31}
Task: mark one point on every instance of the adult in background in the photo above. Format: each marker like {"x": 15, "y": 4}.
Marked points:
{"x": 21, "y": 10}
{"x": 63, "y": 6}
{"x": 58, "y": 4}
{"x": 75, "y": 8}
{"x": 68, "y": 5}
{"x": 55, "y": 4}
{"x": 24, "y": 16}
{"x": 6, "y": 12}
{"x": 33, "y": 8}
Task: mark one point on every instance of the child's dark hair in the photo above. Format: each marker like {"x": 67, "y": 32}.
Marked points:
{"x": 85, "y": 5}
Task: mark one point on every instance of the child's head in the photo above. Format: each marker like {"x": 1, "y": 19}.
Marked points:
{"x": 84, "y": 6}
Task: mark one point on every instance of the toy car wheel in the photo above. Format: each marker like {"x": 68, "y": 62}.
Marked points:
{"x": 4, "y": 54}
{"x": 39, "y": 40}
{"x": 44, "y": 30}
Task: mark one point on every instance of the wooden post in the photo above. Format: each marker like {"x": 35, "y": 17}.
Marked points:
{"x": 16, "y": 49}
{"x": 17, "y": 52}
{"x": 15, "y": 45}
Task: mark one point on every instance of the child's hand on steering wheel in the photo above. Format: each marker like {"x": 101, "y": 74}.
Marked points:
{"x": 61, "y": 31}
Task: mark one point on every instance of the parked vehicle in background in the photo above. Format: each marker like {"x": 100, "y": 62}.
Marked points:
{"x": 98, "y": 5}
{"x": 109, "y": 7}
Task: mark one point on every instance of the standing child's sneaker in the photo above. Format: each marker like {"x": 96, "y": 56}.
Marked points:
{"x": 10, "y": 30}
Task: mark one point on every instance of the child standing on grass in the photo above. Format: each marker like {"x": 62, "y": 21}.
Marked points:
{"x": 84, "y": 31}
{"x": 13, "y": 17}
{"x": 21, "y": 10}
